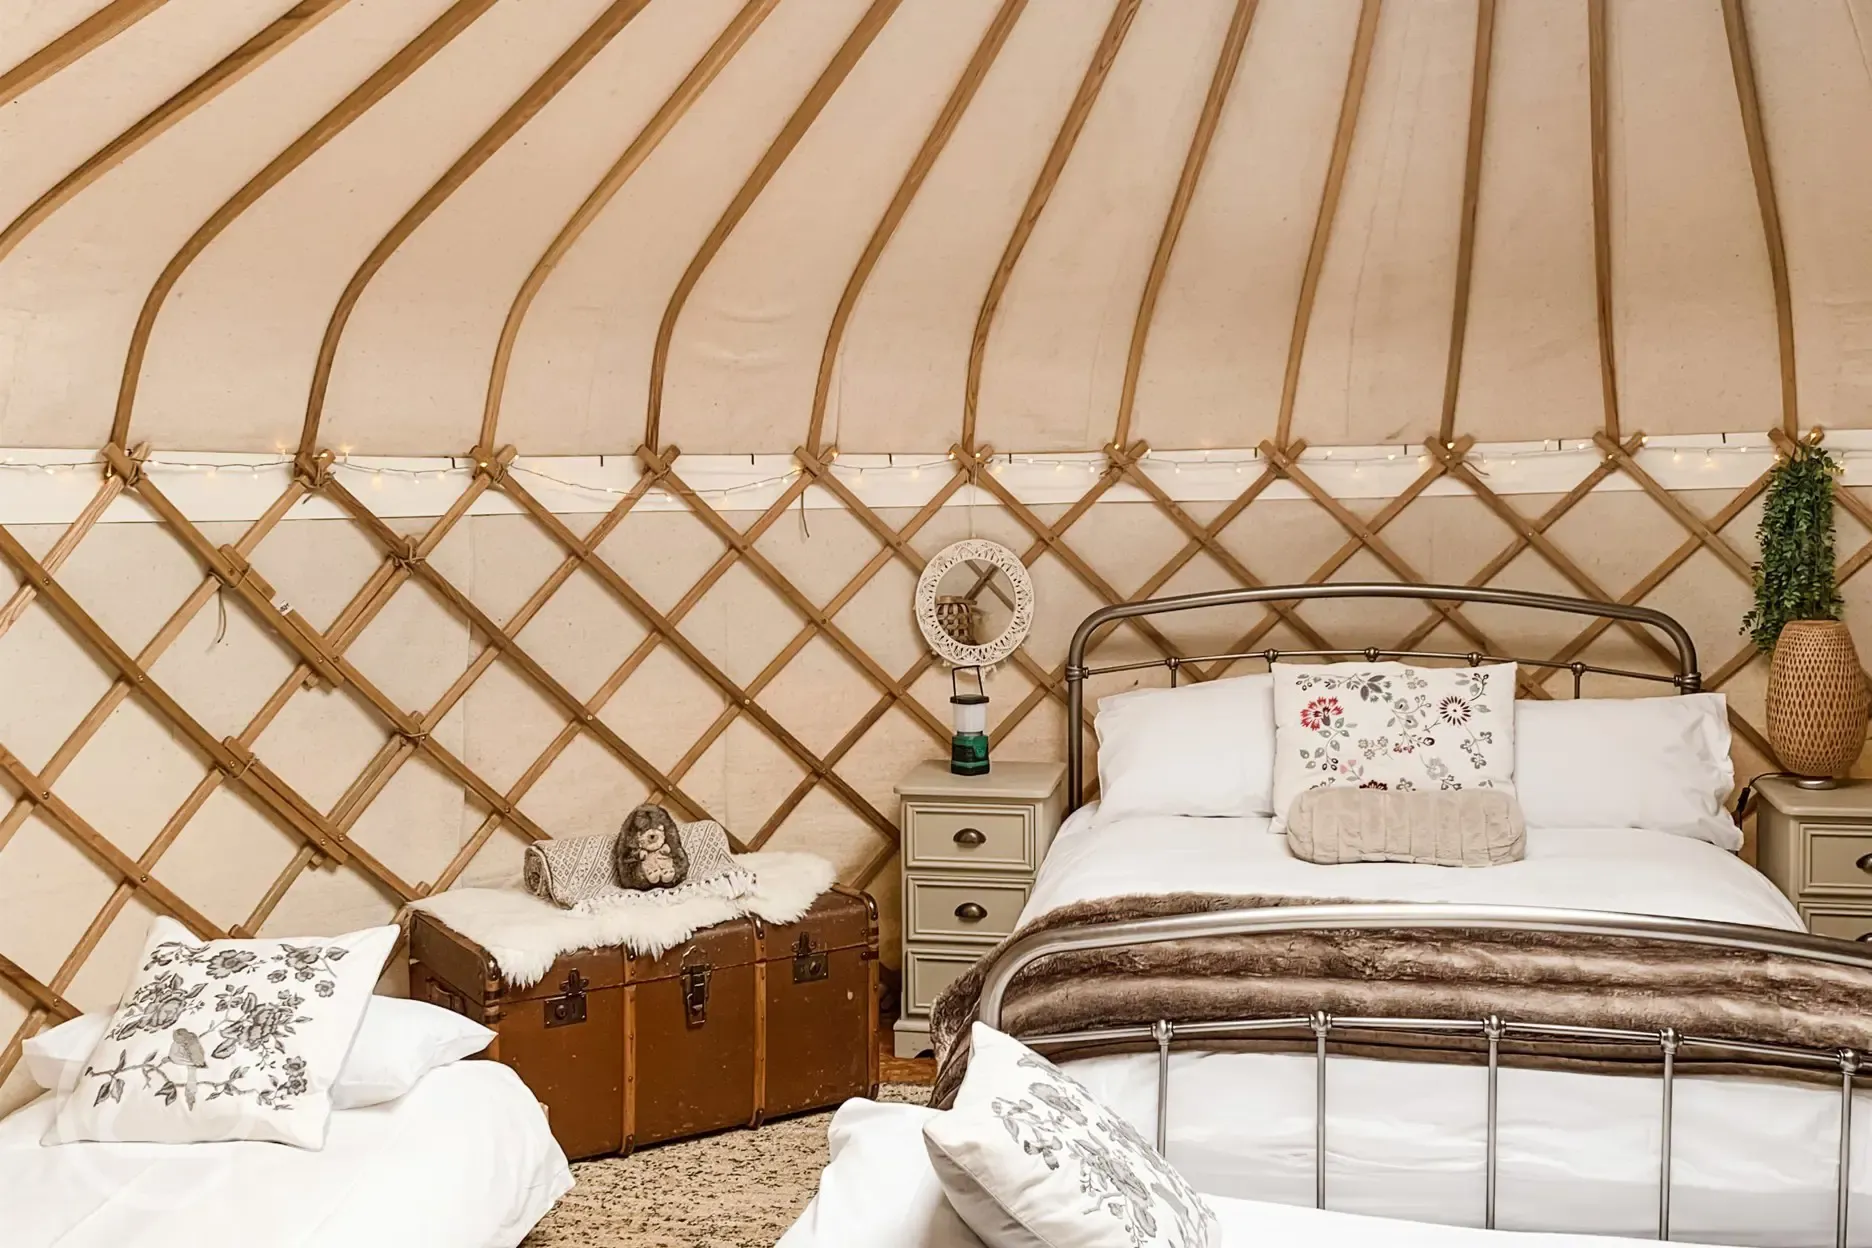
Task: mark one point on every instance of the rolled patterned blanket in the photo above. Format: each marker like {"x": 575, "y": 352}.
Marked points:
{"x": 577, "y": 868}
{"x": 580, "y": 872}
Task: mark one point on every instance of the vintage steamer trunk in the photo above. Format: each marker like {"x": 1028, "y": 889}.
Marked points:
{"x": 744, "y": 1022}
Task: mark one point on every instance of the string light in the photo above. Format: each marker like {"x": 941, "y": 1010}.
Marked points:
{"x": 1235, "y": 463}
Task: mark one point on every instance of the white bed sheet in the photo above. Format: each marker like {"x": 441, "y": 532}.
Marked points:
{"x": 1632, "y": 871}
{"x": 880, "y": 1191}
{"x": 1754, "y": 1161}
{"x": 465, "y": 1160}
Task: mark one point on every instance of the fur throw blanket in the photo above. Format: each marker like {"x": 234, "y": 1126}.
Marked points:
{"x": 525, "y": 933}
{"x": 1628, "y": 983}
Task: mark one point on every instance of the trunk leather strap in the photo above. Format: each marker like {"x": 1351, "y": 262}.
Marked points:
{"x": 760, "y": 1024}
{"x": 630, "y": 1066}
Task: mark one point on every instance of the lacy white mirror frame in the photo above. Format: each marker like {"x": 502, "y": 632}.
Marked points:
{"x": 946, "y": 647}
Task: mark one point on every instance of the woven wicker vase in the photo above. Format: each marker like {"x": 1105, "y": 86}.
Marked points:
{"x": 1817, "y": 699}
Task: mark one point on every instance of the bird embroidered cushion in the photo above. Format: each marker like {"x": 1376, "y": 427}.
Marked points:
{"x": 1391, "y": 726}
{"x": 225, "y": 1040}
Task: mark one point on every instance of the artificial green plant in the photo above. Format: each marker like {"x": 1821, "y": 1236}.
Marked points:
{"x": 1795, "y": 579}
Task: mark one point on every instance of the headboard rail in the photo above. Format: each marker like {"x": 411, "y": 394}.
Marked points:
{"x": 1686, "y": 678}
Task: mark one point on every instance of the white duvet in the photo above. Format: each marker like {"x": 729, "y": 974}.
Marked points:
{"x": 1631, "y": 871}
{"x": 1754, "y": 1161}
{"x": 880, "y": 1191}
{"x": 465, "y": 1160}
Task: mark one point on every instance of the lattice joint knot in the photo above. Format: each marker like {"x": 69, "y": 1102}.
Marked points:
{"x": 313, "y": 471}
{"x": 407, "y": 557}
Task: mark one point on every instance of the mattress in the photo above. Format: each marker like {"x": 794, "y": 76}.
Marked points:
{"x": 1754, "y": 1161}
{"x": 464, "y": 1160}
{"x": 879, "y": 1191}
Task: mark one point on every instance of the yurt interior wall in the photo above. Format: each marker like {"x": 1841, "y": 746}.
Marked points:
{"x": 430, "y": 425}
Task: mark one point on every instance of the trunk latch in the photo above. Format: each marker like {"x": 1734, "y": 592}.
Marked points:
{"x": 695, "y": 982}
{"x": 809, "y": 967}
{"x": 569, "y": 1008}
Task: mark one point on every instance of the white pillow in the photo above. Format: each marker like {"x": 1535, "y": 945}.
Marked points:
{"x": 225, "y": 1040}
{"x": 878, "y": 1188}
{"x": 1659, "y": 763}
{"x": 1200, "y": 749}
{"x": 399, "y": 1042}
{"x": 1030, "y": 1159}
{"x": 1391, "y": 726}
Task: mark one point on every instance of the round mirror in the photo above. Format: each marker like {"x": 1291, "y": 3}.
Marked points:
{"x": 974, "y": 603}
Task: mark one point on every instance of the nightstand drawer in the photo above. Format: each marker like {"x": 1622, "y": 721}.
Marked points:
{"x": 1839, "y": 858}
{"x": 1840, "y": 923}
{"x": 965, "y": 910}
{"x": 976, "y": 837}
{"x": 927, "y": 972}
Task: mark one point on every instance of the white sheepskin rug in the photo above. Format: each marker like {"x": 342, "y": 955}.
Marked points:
{"x": 525, "y": 934}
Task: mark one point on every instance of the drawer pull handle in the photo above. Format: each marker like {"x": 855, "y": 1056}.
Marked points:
{"x": 1864, "y": 863}
{"x": 975, "y": 912}
{"x": 972, "y": 837}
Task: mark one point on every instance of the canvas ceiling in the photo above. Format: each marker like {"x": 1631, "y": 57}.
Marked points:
{"x": 661, "y": 231}
{"x": 744, "y": 276}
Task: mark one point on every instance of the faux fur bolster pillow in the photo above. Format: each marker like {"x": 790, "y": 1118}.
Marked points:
{"x": 1441, "y": 827}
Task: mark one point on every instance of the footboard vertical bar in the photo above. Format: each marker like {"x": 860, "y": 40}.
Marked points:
{"x": 1492, "y": 1028}
{"x": 1849, "y": 1066}
{"x": 1163, "y": 1031}
{"x": 1667, "y": 1040}
{"x": 1322, "y": 1023}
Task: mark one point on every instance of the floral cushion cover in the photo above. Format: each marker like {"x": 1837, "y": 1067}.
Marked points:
{"x": 1030, "y": 1159}
{"x": 1391, "y": 726}
{"x": 225, "y": 1040}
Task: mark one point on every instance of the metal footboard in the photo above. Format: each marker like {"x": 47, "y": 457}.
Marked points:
{"x": 1492, "y": 1030}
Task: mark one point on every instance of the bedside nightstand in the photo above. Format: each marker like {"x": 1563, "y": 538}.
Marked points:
{"x": 971, "y": 845}
{"x": 1816, "y": 845}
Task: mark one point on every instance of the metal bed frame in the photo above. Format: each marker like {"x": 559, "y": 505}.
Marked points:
{"x": 1492, "y": 1030}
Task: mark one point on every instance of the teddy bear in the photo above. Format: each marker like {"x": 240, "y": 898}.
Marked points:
{"x": 650, "y": 851}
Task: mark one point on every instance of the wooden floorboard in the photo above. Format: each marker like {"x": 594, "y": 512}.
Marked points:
{"x": 894, "y": 1069}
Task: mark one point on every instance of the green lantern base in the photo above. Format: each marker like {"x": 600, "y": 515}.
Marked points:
{"x": 968, "y": 754}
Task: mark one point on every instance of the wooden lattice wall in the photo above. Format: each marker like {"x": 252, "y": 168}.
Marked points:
{"x": 832, "y": 634}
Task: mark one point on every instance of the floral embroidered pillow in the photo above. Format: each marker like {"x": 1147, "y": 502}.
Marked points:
{"x": 1391, "y": 726}
{"x": 1030, "y": 1159}
{"x": 225, "y": 1040}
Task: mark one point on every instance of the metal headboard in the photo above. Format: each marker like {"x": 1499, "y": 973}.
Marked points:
{"x": 1687, "y": 678}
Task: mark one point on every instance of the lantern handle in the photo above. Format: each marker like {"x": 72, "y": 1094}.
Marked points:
{"x": 981, "y": 689}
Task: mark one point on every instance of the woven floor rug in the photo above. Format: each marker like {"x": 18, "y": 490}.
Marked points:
{"x": 739, "y": 1189}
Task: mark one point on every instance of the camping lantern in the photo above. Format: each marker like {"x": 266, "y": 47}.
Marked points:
{"x": 968, "y": 750}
